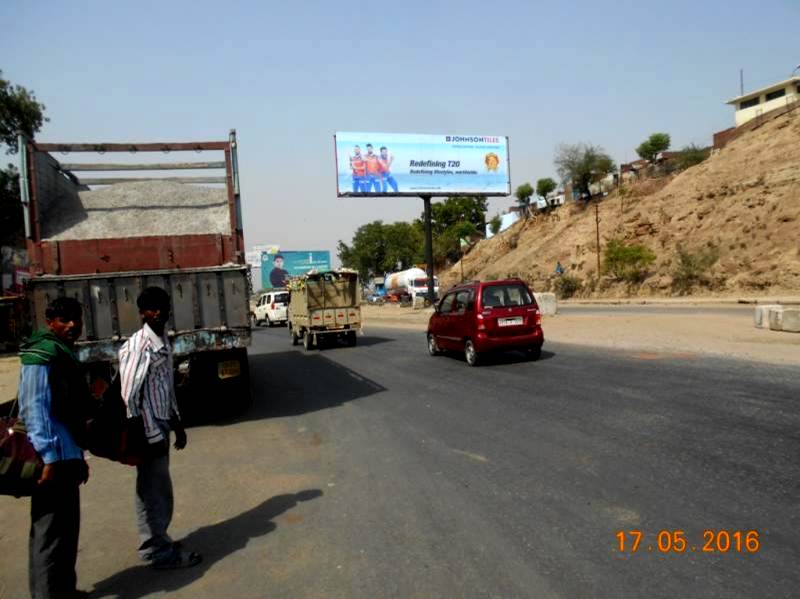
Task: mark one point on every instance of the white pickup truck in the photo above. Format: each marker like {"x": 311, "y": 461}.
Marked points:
{"x": 271, "y": 307}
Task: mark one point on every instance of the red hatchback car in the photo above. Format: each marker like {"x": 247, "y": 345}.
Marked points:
{"x": 480, "y": 317}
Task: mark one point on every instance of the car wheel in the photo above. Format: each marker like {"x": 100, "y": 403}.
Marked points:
{"x": 433, "y": 347}
{"x": 535, "y": 352}
{"x": 307, "y": 341}
{"x": 268, "y": 322}
{"x": 470, "y": 353}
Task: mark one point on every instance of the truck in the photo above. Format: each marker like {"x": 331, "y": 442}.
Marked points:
{"x": 102, "y": 240}
{"x": 325, "y": 306}
{"x": 409, "y": 284}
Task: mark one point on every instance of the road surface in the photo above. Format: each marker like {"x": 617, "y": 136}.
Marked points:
{"x": 378, "y": 471}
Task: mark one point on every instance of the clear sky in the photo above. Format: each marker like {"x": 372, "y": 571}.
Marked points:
{"x": 287, "y": 75}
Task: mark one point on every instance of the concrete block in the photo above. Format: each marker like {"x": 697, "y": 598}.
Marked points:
{"x": 791, "y": 320}
{"x": 547, "y": 303}
{"x": 776, "y": 318}
{"x": 761, "y": 315}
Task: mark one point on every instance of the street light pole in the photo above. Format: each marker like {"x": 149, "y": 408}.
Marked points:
{"x": 597, "y": 232}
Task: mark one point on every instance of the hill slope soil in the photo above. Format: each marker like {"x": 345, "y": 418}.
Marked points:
{"x": 742, "y": 204}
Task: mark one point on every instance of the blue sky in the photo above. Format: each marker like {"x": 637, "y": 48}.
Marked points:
{"x": 288, "y": 75}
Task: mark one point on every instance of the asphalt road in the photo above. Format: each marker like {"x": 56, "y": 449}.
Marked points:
{"x": 378, "y": 471}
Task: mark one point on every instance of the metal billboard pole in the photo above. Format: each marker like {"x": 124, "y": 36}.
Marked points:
{"x": 426, "y": 199}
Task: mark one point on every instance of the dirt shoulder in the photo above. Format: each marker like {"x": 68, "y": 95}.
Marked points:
{"x": 692, "y": 332}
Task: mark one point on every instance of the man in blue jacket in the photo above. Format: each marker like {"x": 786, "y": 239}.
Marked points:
{"x": 55, "y": 404}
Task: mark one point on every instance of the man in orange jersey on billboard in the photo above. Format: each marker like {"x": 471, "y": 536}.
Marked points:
{"x": 385, "y": 161}
{"x": 359, "y": 168}
{"x": 374, "y": 173}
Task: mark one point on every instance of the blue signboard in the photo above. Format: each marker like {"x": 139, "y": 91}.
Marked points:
{"x": 276, "y": 269}
{"x": 401, "y": 164}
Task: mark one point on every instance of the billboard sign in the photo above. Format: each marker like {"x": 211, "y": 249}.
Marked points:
{"x": 253, "y": 257}
{"x": 402, "y": 164}
{"x": 276, "y": 269}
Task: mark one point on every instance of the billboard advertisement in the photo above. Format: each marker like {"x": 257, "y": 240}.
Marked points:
{"x": 402, "y": 164}
{"x": 277, "y": 269}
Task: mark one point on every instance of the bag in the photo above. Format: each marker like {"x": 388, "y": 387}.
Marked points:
{"x": 114, "y": 436}
{"x": 20, "y": 466}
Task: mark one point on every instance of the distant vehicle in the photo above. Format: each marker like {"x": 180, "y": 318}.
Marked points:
{"x": 272, "y": 308}
{"x": 480, "y": 317}
{"x": 409, "y": 283}
{"x": 325, "y": 305}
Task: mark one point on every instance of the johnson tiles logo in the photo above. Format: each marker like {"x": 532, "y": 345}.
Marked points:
{"x": 471, "y": 139}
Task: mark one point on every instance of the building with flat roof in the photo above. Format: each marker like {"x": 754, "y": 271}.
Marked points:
{"x": 761, "y": 101}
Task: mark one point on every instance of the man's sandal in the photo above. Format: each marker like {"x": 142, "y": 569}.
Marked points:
{"x": 178, "y": 559}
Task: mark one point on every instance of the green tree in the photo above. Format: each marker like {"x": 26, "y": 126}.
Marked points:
{"x": 691, "y": 155}
{"x": 20, "y": 112}
{"x": 545, "y": 186}
{"x": 582, "y": 165}
{"x": 523, "y": 194}
{"x": 495, "y": 224}
{"x": 378, "y": 247}
{"x": 649, "y": 148}
{"x": 627, "y": 262}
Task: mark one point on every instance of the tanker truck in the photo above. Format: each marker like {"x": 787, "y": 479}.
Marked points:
{"x": 409, "y": 283}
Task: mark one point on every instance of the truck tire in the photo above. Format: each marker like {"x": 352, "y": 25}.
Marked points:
{"x": 293, "y": 335}
{"x": 307, "y": 342}
{"x": 352, "y": 339}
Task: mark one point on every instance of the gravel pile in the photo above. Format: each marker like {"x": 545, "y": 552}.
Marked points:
{"x": 139, "y": 209}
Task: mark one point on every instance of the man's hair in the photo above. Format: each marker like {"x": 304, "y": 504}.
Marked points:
{"x": 276, "y": 257}
{"x": 384, "y": 148}
{"x": 369, "y": 145}
{"x": 63, "y": 307}
{"x": 153, "y": 298}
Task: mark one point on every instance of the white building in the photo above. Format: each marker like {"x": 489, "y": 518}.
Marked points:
{"x": 761, "y": 101}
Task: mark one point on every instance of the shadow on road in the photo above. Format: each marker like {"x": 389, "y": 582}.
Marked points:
{"x": 503, "y": 358}
{"x": 214, "y": 542}
{"x": 292, "y": 383}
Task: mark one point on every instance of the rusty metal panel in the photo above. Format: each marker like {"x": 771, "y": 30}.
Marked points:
{"x": 237, "y": 304}
{"x": 92, "y": 256}
{"x": 101, "y": 307}
{"x": 182, "y": 290}
{"x": 208, "y": 291}
{"x": 127, "y": 289}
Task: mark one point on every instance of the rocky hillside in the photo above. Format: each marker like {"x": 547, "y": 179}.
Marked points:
{"x": 741, "y": 208}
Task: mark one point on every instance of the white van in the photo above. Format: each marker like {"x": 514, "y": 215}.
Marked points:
{"x": 271, "y": 307}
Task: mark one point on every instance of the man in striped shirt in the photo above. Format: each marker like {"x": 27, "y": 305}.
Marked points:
{"x": 147, "y": 383}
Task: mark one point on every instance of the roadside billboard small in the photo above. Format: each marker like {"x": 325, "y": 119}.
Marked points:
{"x": 403, "y": 164}
{"x": 276, "y": 269}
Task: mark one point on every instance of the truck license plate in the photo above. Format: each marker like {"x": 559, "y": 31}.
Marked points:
{"x": 229, "y": 369}
{"x": 508, "y": 322}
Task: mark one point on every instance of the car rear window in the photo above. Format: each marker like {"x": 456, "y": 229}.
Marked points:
{"x": 506, "y": 295}
{"x": 282, "y": 298}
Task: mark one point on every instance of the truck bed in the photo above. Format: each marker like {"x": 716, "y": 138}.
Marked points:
{"x": 210, "y": 307}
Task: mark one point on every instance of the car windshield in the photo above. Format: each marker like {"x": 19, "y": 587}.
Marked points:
{"x": 282, "y": 298}
{"x": 506, "y": 295}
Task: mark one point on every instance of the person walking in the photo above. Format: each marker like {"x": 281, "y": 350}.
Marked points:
{"x": 148, "y": 389}
{"x": 55, "y": 405}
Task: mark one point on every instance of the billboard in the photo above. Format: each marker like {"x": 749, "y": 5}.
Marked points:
{"x": 276, "y": 269}
{"x": 402, "y": 164}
